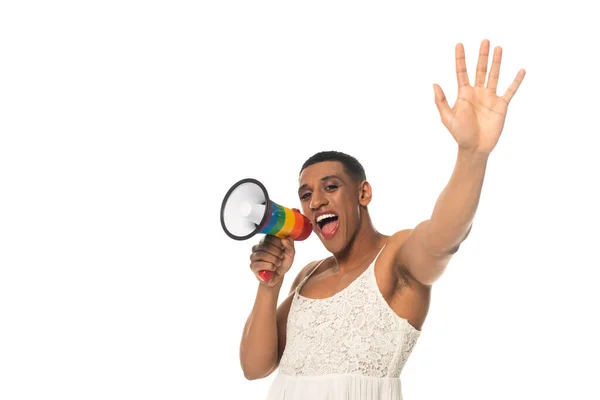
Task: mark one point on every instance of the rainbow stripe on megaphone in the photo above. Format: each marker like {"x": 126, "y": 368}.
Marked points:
{"x": 286, "y": 222}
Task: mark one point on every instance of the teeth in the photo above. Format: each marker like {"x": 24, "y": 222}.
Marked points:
{"x": 322, "y": 217}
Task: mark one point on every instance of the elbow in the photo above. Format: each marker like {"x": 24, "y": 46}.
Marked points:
{"x": 250, "y": 374}
{"x": 454, "y": 249}
{"x": 253, "y": 374}
{"x": 443, "y": 247}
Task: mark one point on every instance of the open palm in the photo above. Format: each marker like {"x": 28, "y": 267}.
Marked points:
{"x": 477, "y": 118}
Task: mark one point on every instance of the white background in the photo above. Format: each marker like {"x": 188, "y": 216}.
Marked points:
{"x": 124, "y": 123}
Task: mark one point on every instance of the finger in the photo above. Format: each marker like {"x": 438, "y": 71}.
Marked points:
{"x": 288, "y": 248}
{"x": 288, "y": 245}
{"x": 495, "y": 69}
{"x": 265, "y": 275}
{"x": 262, "y": 265}
{"x": 510, "y": 92}
{"x": 484, "y": 51}
{"x": 442, "y": 104}
{"x": 264, "y": 256}
{"x": 271, "y": 239}
{"x": 461, "y": 66}
{"x": 269, "y": 248}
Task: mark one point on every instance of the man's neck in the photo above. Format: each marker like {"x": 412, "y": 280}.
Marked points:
{"x": 362, "y": 248}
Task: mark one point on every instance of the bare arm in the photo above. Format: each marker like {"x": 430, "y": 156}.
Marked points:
{"x": 455, "y": 208}
{"x": 430, "y": 246}
{"x": 264, "y": 335}
{"x": 476, "y": 122}
{"x": 259, "y": 350}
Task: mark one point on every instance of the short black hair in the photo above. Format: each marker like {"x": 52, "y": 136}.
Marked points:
{"x": 351, "y": 165}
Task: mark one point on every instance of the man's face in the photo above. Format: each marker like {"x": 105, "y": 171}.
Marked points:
{"x": 330, "y": 199}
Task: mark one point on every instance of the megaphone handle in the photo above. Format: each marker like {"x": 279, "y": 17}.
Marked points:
{"x": 265, "y": 275}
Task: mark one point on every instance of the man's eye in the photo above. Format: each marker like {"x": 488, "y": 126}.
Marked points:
{"x": 331, "y": 187}
{"x": 304, "y": 196}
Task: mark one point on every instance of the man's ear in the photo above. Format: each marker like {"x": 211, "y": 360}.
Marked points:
{"x": 365, "y": 193}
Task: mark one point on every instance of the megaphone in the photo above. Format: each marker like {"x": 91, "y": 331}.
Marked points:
{"x": 247, "y": 210}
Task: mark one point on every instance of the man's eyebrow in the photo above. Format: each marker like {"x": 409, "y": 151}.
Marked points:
{"x": 305, "y": 186}
{"x": 330, "y": 177}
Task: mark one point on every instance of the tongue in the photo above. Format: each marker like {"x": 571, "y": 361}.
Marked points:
{"x": 328, "y": 228}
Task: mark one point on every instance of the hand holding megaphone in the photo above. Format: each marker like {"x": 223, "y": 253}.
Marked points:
{"x": 272, "y": 258}
{"x": 247, "y": 210}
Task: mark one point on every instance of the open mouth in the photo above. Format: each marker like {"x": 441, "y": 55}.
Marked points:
{"x": 328, "y": 224}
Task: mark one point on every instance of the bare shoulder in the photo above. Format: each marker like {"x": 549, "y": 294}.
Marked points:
{"x": 389, "y": 274}
{"x": 394, "y": 244}
{"x": 302, "y": 274}
{"x": 406, "y": 296}
{"x": 398, "y": 238}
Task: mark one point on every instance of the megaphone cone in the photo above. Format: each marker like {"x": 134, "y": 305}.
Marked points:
{"x": 247, "y": 210}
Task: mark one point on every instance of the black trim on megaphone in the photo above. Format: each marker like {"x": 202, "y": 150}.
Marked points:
{"x": 267, "y": 202}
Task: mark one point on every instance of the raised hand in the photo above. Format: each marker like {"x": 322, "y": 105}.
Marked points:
{"x": 477, "y": 118}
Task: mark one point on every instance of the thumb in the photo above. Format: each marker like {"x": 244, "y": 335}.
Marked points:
{"x": 288, "y": 245}
{"x": 442, "y": 105}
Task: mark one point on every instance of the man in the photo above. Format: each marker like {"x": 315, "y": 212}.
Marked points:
{"x": 350, "y": 321}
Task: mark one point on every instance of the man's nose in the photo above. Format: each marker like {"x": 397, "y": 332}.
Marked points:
{"x": 317, "y": 200}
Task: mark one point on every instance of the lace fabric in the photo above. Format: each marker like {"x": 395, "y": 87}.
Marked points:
{"x": 351, "y": 345}
{"x": 352, "y": 332}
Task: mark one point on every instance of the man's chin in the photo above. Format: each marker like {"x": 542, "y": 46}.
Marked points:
{"x": 332, "y": 245}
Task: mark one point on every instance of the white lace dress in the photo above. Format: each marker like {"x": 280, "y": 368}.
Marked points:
{"x": 348, "y": 346}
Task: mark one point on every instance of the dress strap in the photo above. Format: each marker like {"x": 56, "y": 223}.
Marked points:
{"x": 383, "y": 247}
{"x": 323, "y": 260}
{"x": 309, "y": 274}
{"x": 377, "y": 256}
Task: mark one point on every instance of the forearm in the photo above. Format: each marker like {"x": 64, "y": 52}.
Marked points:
{"x": 259, "y": 345}
{"x": 455, "y": 208}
